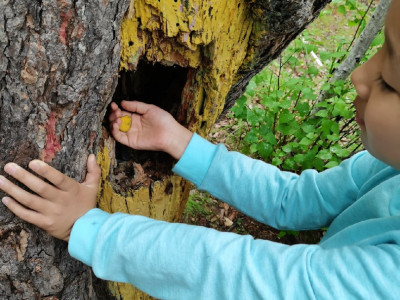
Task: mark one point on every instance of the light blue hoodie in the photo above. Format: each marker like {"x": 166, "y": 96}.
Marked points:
{"x": 358, "y": 257}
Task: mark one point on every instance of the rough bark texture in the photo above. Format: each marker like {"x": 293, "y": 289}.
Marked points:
{"x": 59, "y": 63}
{"x": 58, "y": 68}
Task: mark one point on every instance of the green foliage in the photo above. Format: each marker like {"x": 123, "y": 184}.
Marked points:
{"x": 283, "y": 233}
{"x": 197, "y": 204}
{"x": 280, "y": 118}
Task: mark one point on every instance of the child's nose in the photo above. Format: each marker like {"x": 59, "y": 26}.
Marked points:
{"x": 360, "y": 80}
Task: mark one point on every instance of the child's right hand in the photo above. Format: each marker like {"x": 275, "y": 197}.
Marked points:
{"x": 152, "y": 128}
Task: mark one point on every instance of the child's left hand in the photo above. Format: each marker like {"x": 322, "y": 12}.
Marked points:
{"x": 54, "y": 208}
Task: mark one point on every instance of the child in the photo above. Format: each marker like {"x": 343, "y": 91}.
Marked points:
{"x": 358, "y": 257}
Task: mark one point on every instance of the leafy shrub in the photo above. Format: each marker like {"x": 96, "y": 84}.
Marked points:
{"x": 281, "y": 118}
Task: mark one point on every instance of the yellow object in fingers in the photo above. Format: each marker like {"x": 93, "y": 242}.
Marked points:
{"x": 126, "y": 123}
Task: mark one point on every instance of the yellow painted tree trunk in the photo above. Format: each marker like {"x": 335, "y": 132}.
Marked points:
{"x": 192, "y": 58}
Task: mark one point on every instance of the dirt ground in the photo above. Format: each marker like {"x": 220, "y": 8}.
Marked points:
{"x": 228, "y": 219}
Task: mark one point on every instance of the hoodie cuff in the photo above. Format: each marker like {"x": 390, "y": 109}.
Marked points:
{"x": 84, "y": 234}
{"x": 196, "y": 160}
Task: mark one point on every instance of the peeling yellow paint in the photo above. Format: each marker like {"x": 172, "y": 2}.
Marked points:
{"x": 159, "y": 203}
{"x": 209, "y": 36}
{"x": 126, "y": 291}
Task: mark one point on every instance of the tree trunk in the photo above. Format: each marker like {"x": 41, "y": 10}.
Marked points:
{"x": 59, "y": 65}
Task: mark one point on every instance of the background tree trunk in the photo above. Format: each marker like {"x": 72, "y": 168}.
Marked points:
{"x": 59, "y": 65}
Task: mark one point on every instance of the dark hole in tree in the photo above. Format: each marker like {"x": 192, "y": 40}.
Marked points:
{"x": 154, "y": 84}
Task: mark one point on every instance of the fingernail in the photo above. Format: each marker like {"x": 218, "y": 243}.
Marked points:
{"x": 5, "y": 200}
{"x": 10, "y": 168}
{"x": 2, "y": 181}
{"x": 35, "y": 165}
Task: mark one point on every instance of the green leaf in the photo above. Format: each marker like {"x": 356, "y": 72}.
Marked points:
{"x": 252, "y": 117}
{"x": 333, "y": 137}
{"x": 276, "y": 161}
{"x": 285, "y": 104}
{"x": 251, "y": 137}
{"x": 339, "y": 151}
{"x": 318, "y": 164}
{"x": 299, "y": 158}
{"x": 289, "y": 164}
{"x": 325, "y": 55}
{"x": 270, "y": 102}
{"x": 305, "y": 141}
{"x": 288, "y": 129}
{"x": 253, "y": 148}
{"x": 287, "y": 148}
{"x": 342, "y": 9}
{"x": 265, "y": 149}
{"x": 270, "y": 138}
{"x": 323, "y": 113}
{"x": 324, "y": 154}
{"x": 308, "y": 128}
{"x": 310, "y": 47}
{"x": 327, "y": 125}
{"x": 285, "y": 116}
{"x": 313, "y": 71}
{"x": 353, "y": 23}
{"x": 310, "y": 135}
{"x": 250, "y": 90}
{"x": 326, "y": 86}
{"x": 351, "y": 4}
{"x": 335, "y": 127}
{"x": 303, "y": 108}
{"x": 239, "y": 109}
{"x": 338, "y": 90}
{"x": 281, "y": 234}
{"x": 292, "y": 83}
{"x": 331, "y": 164}
{"x": 339, "y": 83}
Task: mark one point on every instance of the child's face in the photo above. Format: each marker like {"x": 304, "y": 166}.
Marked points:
{"x": 378, "y": 102}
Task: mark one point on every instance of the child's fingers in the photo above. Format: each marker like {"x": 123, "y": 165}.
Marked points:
{"x": 23, "y": 213}
{"x": 94, "y": 172}
{"x": 115, "y": 115}
{"x": 22, "y": 196}
{"x": 57, "y": 178}
{"x": 31, "y": 181}
{"x": 135, "y": 106}
{"x": 114, "y": 106}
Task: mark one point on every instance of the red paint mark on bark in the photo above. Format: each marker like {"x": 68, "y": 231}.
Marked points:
{"x": 52, "y": 140}
{"x": 65, "y": 18}
{"x": 92, "y": 136}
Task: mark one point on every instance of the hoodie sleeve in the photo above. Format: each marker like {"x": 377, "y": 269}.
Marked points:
{"x": 281, "y": 199}
{"x": 179, "y": 261}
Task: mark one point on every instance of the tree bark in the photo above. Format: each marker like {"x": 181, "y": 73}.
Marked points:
{"x": 58, "y": 68}
{"x": 59, "y": 65}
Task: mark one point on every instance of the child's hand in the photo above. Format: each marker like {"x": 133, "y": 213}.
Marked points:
{"x": 152, "y": 128}
{"x": 56, "y": 207}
